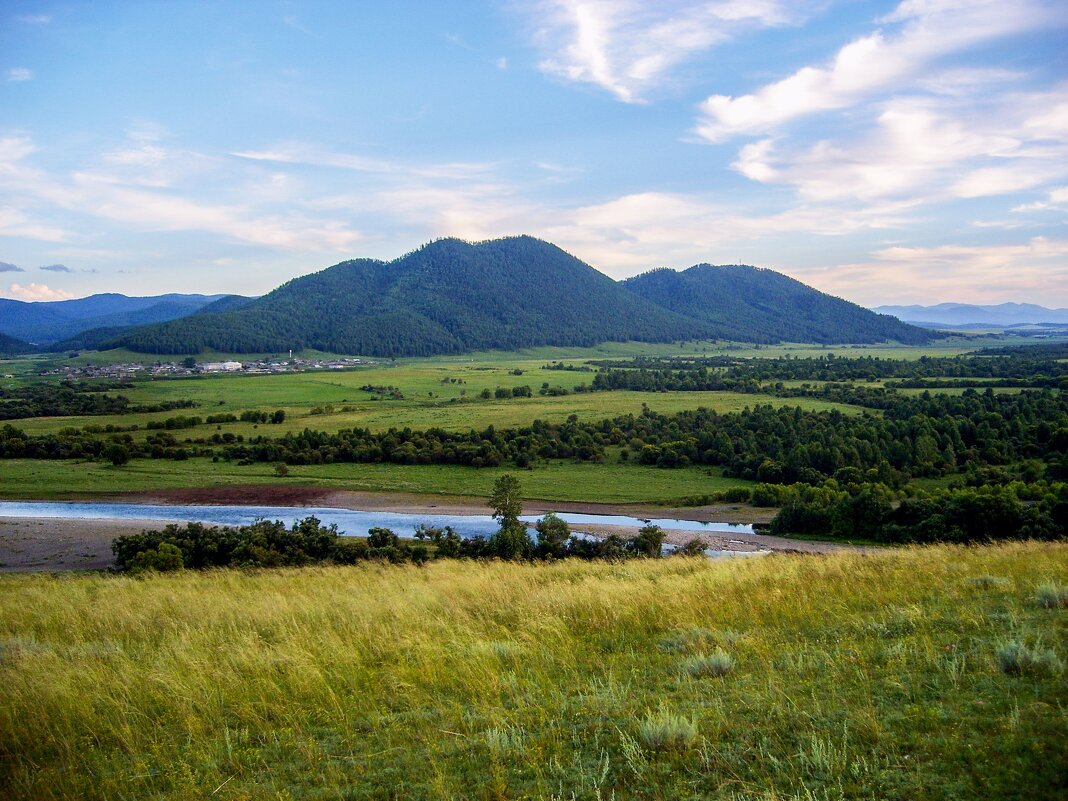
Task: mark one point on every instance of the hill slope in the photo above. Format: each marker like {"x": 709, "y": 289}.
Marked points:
{"x": 447, "y": 297}
{"x": 46, "y": 322}
{"x": 757, "y": 305}
{"x": 9, "y": 346}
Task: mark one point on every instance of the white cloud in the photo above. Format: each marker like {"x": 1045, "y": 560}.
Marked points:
{"x": 19, "y": 74}
{"x": 876, "y": 63}
{"x": 629, "y": 47}
{"x": 501, "y": 63}
{"x": 35, "y": 19}
{"x": 926, "y": 149}
{"x": 32, "y": 292}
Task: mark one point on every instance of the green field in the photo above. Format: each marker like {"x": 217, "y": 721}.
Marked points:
{"x": 846, "y": 676}
{"x": 553, "y": 481}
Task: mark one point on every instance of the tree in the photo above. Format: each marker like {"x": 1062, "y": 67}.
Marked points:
{"x": 649, "y": 542}
{"x": 117, "y": 454}
{"x": 505, "y": 500}
{"x": 553, "y": 534}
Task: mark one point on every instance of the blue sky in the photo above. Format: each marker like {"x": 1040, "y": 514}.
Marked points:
{"x": 886, "y": 152}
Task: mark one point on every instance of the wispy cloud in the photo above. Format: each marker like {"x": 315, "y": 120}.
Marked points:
{"x": 629, "y": 47}
{"x": 927, "y": 149}
{"x": 19, "y": 74}
{"x": 875, "y": 64}
{"x": 35, "y": 292}
{"x": 994, "y": 273}
{"x": 35, "y": 19}
{"x": 8, "y": 267}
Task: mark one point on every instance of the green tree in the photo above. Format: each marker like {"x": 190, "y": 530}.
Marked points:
{"x": 117, "y": 454}
{"x": 553, "y": 534}
{"x": 649, "y": 542}
{"x": 505, "y": 500}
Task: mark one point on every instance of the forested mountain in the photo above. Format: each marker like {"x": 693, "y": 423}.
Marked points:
{"x": 964, "y": 314}
{"x": 452, "y": 296}
{"x": 46, "y": 322}
{"x": 448, "y": 296}
{"x": 9, "y": 346}
{"x": 758, "y": 305}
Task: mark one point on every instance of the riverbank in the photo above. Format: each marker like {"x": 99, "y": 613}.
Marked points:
{"x": 43, "y": 544}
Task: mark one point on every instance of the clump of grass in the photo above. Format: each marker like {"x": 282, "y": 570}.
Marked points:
{"x": 1052, "y": 595}
{"x": 666, "y": 731}
{"x": 1017, "y": 659}
{"x": 503, "y": 741}
{"x": 988, "y": 582}
{"x": 716, "y": 664}
{"x": 697, "y": 639}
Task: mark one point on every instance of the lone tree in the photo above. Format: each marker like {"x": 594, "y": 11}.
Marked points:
{"x": 505, "y": 500}
{"x": 512, "y": 540}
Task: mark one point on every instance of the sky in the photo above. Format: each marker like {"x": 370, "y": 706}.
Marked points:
{"x": 885, "y": 152}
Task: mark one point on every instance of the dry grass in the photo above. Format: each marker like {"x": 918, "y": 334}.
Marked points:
{"x": 854, "y": 677}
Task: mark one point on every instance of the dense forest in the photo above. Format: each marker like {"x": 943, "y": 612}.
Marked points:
{"x": 10, "y": 346}
{"x": 452, "y": 296}
{"x": 750, "y": 304}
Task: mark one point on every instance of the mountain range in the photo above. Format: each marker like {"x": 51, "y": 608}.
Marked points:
{"x": 47, "y": 322}
{"x": 1002, "y": 315}
{"x": 451, "y": 296}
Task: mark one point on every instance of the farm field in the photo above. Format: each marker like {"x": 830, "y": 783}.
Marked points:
{"x": 902, "y": 674}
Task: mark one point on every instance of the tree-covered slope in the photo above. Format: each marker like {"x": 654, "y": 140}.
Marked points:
{"x": 758, "y": 305}
{"x": 446, "y": 297}
{"x": 9, "y": 346}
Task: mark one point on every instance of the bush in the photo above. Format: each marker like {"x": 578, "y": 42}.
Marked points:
{"x": 165, "y": 558}
{"x": 694, "y": 547}
{"x": 666, "y": 731}
{"x": 648, "y": 543}
{"x": 1052, "y": 596}
{"x": 1017, "y": 659}
{"x": 716, "y": 664}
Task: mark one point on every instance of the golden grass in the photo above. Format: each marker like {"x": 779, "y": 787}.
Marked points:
{"x": 854, "y": 677}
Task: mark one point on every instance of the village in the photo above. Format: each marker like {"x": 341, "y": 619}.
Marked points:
{"x": 185, "y": 368}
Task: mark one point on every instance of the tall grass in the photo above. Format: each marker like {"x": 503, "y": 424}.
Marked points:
{"x": 853, "y": 677}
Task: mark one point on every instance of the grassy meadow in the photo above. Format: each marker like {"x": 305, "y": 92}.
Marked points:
{"x": 931, "y": 673}
{"x": 611, "y": 482}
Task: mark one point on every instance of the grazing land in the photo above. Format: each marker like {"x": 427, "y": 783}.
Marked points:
{"x": 929, "y": 673}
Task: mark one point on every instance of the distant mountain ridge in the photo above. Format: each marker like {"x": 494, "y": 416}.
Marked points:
{"x": 452, "y": 296}
{"x": 9, "y": 346}
{"x": 47, "y": 322}
{"x": 962, "y": 314}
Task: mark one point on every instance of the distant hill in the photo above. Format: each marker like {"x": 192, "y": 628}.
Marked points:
{"x": 447, "y": 297}
{"x": 452, "y": 296}
{"x": 759, "y": 305}
{"x": 1002, "y": 315}
{"x": 9, "y": 346}
{"x": 47, "y": 322}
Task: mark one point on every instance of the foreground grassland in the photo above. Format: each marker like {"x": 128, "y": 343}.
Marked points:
{"x": 556, "y": 481}
{"x": 846, "y": 676}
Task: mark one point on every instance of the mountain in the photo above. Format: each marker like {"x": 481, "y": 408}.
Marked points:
{"x": 446, "y": 297}
{"x": 965, "y": 314}
{"x": 46, "y": 322}
{"x": 759, "y": 305}
{"x": 9, "y": 346}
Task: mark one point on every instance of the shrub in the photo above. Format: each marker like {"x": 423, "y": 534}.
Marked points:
{"x": 163, "y": 559}
{"x": 1052, "y": 596}
{"x": 649, "y": 542}
{"x": 695, "y": 547}
{"x": 1017, "y": 659}
{"x": 716, "y": 664}
{"x": 666, "y": 731}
